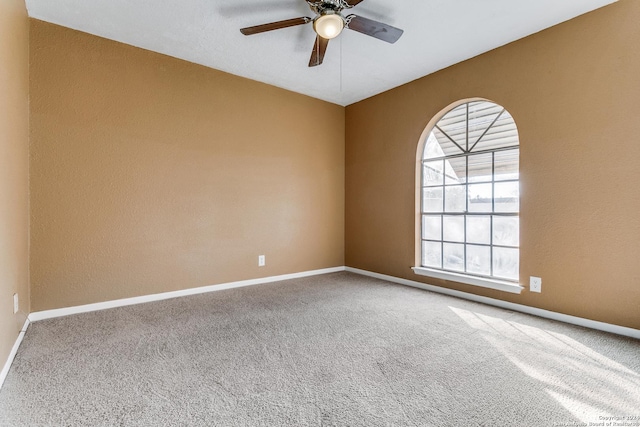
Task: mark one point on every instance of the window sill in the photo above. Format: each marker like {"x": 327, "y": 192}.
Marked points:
{"x": 499, "y": 285}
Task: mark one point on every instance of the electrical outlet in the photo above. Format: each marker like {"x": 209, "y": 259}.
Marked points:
{"x": 16, "y": 305}
{"x": 261, "y": 261}
{"x": 535, "y": 284}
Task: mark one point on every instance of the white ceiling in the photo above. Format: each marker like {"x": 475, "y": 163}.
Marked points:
{"x": 437, "y": 33}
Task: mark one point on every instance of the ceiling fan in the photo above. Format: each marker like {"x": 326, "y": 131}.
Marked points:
{"x": 329, "y": 23}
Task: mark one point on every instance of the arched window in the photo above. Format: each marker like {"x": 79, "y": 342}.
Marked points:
{"x": 470, "y": 197}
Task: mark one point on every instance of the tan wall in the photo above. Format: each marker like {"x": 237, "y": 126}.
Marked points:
{"x": 14, "y": 172}
{"x": 574, "y": 91}
{"x": 151, "y": 174}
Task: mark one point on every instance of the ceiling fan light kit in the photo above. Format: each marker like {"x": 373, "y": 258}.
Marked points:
{"x": 329, "y": 23}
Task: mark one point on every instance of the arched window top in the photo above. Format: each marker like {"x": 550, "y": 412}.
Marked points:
{"x": 471, "y": 127}
{"x": 470, "y": 197}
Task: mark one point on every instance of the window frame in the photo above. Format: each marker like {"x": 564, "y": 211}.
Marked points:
{"x": 491, "y": 282}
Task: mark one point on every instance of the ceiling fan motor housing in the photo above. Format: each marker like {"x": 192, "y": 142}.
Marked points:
{"x": 322, "y": 7}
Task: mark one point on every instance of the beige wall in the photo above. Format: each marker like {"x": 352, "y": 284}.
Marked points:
{"x": 574, "y": 91}
{"x": 14, "y": 172}
{"x": 151, "y": 174}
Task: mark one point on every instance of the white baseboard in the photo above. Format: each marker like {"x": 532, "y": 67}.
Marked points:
{"x": 49, "y": 314}
{"x": 12, "y": 354}
{"x": 587, "y": 323}
{"x": 67, "y": 311}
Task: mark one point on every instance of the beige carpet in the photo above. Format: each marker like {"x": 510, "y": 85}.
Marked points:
{"x": 332, "y": 350}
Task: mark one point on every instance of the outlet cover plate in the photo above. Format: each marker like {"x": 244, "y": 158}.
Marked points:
{"x": 535, "y": 284}
{"x": 261, "y": 261}
{"x": 16, "y": 304}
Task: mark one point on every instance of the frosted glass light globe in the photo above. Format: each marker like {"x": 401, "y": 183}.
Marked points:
{"x": 328, "y": 26}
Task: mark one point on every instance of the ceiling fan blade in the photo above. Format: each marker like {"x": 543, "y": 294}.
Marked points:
{"x": 373, "y": 28}
{"x": 275, "y": 25}
{"x": 353, "y": 2}
{"x": 319, "y": 49}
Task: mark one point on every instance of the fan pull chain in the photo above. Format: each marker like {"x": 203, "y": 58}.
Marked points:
{"x": 341, "y": 63}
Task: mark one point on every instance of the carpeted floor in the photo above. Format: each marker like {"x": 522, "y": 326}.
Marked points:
{"x": 332, "y": 350}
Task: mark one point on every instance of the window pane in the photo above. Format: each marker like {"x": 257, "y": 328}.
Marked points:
{"x": 506, "y": 230}
{"x": 481, "y": 116}
{"x": 479, "y": 260}
{"x": 502, "y": 134}
{"x": 507, "y": 165}
{"x": 506, "y": 263}
{"x": 507, "y": 197}
{"x": 448, "y": 147}
{"x": 455, "y": 170}
{"x": 453, "y": 228}
{"x": 432, "y": 227}
{"x": 432, "y": 199}
{"x": 480, "y": 167}
{"x": 432, "y": 254}
{"x": 454, "y": 124}
{"x": 432, "y": 148}
{"x": 479, "y": 229}
{"x": 480, "y": 196}
{"x": 432, "y": 173}
{"x": 455, "y": 198}
{"x": 453, "y": 256}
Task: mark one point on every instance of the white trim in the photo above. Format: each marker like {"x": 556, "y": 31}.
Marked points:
{"x": 587, "y": 323}
{"x": 48, "y": 314}
{"x": 12, "y": 353}
{"x": 59, "y": 312}
{"x": 499, "y": 285}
